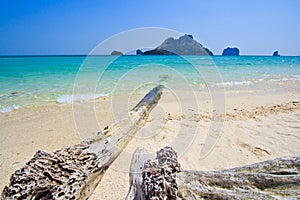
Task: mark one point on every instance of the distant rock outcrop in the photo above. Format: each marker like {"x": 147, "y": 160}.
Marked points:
{"x": 276, "y": 53}
{"x": 139, "y": 52}
{"x": 116, "y": 53}
{"x": 158, "y": 52}
{"x": 231, "y": 52}
{"x": 184, "y": 45}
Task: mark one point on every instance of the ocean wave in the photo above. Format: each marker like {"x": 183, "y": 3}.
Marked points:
{"x": 78, "y": 97}
{"x": 297, "y": 77}
{"x": 281, "y": 77}
{"x": 232, "y": 83}
{"x": 285, "y": 79}
{"x": 260, "y": 80}
{"x": 9, "y": 108}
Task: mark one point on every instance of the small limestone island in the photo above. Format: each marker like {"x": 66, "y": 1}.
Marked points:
{"x": 276, "y": 53}
{"x": 231, "y": 51}
{"x": 116, "y": 53}
{"x": 184, "y": 45}
{"x": 139, "y": 52}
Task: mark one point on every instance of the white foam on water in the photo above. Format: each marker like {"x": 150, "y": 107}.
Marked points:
{"x": 268, "y": 79}
{"x": 78, "y": 97}
{"x": 9, "y": 108}
{"x": 233, "y": 83}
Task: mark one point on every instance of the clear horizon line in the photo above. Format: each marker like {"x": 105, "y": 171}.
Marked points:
{"x": 79, "y": 55}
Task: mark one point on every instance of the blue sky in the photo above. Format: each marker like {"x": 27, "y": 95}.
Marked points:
{"x": 75, "y": 27}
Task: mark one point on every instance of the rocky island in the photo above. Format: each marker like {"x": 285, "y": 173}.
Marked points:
{"x": 139, "y": 52}
{"x": 276, "y": 53}
{"x": 184, "y": 45}
{"x": 116, "y": 53}
{"x": 231, "y": 51}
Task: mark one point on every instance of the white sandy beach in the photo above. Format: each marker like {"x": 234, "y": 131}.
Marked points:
{"x": 256, "y": 127}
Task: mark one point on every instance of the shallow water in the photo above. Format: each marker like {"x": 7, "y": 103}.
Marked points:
{"x": 28, "y": 81}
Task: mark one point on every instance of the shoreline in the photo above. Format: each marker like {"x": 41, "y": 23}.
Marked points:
{"x": 243, "y": 88}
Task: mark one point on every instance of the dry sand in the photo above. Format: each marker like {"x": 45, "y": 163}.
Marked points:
{"x": 255, "y": 127}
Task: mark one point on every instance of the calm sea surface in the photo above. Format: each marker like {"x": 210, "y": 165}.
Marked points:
{"x": 28, "y": 81}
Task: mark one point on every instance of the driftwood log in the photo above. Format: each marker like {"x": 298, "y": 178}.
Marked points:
{"x": 74, "y": 172}
{"x": 153, "y": 179}
{"x": 273, "y": 179}
{"x": 139, "y": 158}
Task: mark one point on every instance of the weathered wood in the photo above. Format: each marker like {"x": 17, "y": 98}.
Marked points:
{"x": 157, "y": 179}
{"x": 74, "y": 172}
{"x": 273, "y": 179}
{"x": 139, "y": 158}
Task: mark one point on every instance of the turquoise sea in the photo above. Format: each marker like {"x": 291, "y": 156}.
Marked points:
{"x": 39, "y": 80}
